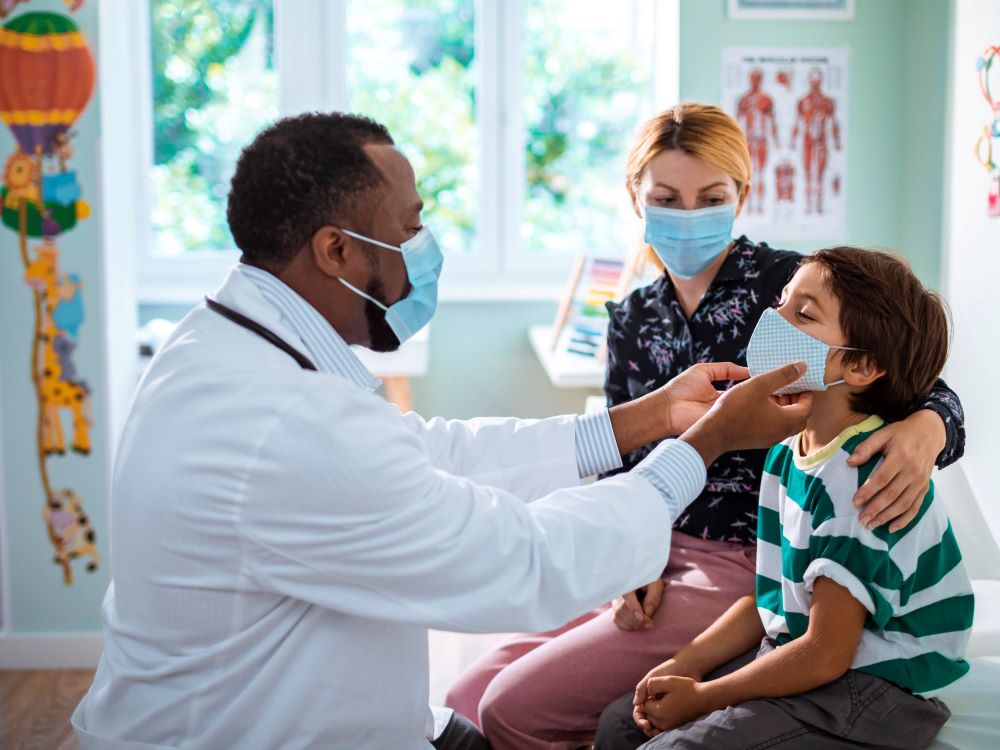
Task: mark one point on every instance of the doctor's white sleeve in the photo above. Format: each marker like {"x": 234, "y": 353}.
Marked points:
{"x": 345, "y": 510}
{"x": 502, "y": 451}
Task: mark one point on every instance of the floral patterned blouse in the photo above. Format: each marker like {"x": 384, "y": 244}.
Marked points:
{"x": 651, "y": 339}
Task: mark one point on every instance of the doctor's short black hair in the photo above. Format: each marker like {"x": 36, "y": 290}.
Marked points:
{"x": 297, "y": 175}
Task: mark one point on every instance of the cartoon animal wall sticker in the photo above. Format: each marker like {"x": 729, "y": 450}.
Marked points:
{"x": 989, "y": 137}
{"x": 46, "y": 80}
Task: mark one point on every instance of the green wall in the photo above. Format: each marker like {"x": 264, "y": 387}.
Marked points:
{"x": 39, "y": 601}
{"x": 925, "y": 56}
{"x": 895, "y": 132}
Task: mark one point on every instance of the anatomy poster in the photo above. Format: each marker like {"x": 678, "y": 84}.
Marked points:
{"x": 792, "y": 104}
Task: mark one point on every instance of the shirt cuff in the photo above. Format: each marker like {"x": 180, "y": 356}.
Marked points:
{"x": 677, "y": 471}
{"x": 596, "y": 447}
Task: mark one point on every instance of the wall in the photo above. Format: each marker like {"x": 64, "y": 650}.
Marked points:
{"x": 925, "y": 85}
{"x": 37, "y": 598}
{"x": 481, "y": 362}
{"x": 896, "y": 120}
{"x": 972, "y": 253}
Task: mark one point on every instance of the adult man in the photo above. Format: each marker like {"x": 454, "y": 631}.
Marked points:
{"x": 283, "y": 538}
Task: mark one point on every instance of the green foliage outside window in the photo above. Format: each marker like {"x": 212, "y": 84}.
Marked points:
{"x": 411, "y": 66}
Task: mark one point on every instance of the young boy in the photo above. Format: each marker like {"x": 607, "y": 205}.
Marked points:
{"x": 860, "y": 627}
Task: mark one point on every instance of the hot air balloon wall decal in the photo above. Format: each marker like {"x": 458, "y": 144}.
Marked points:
{"x": 46, "y": 79}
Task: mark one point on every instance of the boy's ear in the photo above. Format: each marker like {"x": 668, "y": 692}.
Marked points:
{"x": 862, "y": 373}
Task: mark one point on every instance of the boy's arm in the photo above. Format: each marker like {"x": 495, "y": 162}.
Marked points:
{"x": 824, "y": 653}
{"x": 736, "y": 631}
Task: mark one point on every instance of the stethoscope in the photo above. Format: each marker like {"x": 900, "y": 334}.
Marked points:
{"x": 252, "y": 325}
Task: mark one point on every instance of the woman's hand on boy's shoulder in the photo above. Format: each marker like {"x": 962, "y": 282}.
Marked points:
{"x": 896, "y": 489}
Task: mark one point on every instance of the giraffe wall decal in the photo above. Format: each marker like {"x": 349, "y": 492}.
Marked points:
{"x": 46, "y": 79}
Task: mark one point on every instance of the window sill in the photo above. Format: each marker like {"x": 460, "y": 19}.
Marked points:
{"x": 458, "y": 291}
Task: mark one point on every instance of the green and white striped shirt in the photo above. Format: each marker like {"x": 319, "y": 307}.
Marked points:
{"x": 912, "y": 582}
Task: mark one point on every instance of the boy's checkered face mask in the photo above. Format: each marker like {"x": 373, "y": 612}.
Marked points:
{"x": 776, "y": 342}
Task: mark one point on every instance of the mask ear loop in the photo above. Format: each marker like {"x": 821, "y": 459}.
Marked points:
{"x": 846, "y": 349}
{"x": 358, "y": 292}
{"x": 355, "y": 235}
{"x": 370, "y": 240}
{"x": 368, "y": 297}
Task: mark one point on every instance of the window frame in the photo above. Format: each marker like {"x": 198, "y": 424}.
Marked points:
{"x": 307, "y": 36}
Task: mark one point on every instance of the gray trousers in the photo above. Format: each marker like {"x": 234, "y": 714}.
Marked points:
{"x": 461, "y": 734}
{"x": 857, "y": 710}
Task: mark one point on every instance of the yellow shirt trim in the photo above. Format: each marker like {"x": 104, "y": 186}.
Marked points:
{"x": 827, "y": 451}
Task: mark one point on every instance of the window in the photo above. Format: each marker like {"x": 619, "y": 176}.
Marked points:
{"x": 586, "y": 72}
{"x": 516, "y": 115}
{"x": 214, "y": 86}
{"x": 412, "y": 65}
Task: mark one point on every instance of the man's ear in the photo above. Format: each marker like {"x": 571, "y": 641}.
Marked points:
{"x": 863, "y": 372}
{"x": 332, "y": 250}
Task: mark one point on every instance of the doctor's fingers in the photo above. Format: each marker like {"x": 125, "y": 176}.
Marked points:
{"x": 717, "y": 371}
{"x": 769, "y": 382}
{"x": 753, "y": 419}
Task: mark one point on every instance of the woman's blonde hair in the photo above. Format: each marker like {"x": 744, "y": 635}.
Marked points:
{"x": 702, "y": 130}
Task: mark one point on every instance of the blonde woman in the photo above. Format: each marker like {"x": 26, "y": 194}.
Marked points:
{"x": 688, "y": 175}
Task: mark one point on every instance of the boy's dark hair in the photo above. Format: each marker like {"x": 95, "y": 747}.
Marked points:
{"x": 298, "y": 175}
{"x": 887, "y": 312}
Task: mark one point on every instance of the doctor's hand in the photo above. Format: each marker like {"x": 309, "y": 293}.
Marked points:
{"x": 672, "y": 409}
{"x": 748, "y": 416}
{"x": 691, "y": 394}
{"x": 631, "y": 614}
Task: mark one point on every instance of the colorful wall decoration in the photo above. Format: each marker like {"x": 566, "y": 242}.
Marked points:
{"x": 47, "y": 77}
{"x": 989, "y": 137}
{"x": 581, "y": 323}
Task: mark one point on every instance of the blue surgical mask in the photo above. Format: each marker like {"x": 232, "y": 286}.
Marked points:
{"x": 776, "y": 342}
{"x": 688, "y": 241}
{"x": 423, "y": 260}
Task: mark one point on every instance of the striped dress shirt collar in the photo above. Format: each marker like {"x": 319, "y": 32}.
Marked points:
{"x": 326, "y": 348}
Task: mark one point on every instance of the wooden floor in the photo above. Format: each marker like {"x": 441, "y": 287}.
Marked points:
{"x": 35, "y": 708}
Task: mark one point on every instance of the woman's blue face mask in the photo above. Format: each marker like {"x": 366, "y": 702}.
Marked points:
{"x": 688, "y": 241}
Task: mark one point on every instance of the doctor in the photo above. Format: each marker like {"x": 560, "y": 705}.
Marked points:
{"x": 283, "y": 537}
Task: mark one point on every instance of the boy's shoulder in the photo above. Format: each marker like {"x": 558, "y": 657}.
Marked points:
{"x": 824, "y": 483}
{"x": 860, "y": 434}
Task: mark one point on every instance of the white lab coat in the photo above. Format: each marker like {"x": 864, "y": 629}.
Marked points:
{"x": 283, "y": 539}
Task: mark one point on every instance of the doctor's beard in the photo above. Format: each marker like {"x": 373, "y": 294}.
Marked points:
{"x": 380, "y": 335}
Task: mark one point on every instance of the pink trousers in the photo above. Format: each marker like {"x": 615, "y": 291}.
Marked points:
{"x": 547, "y": 690}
